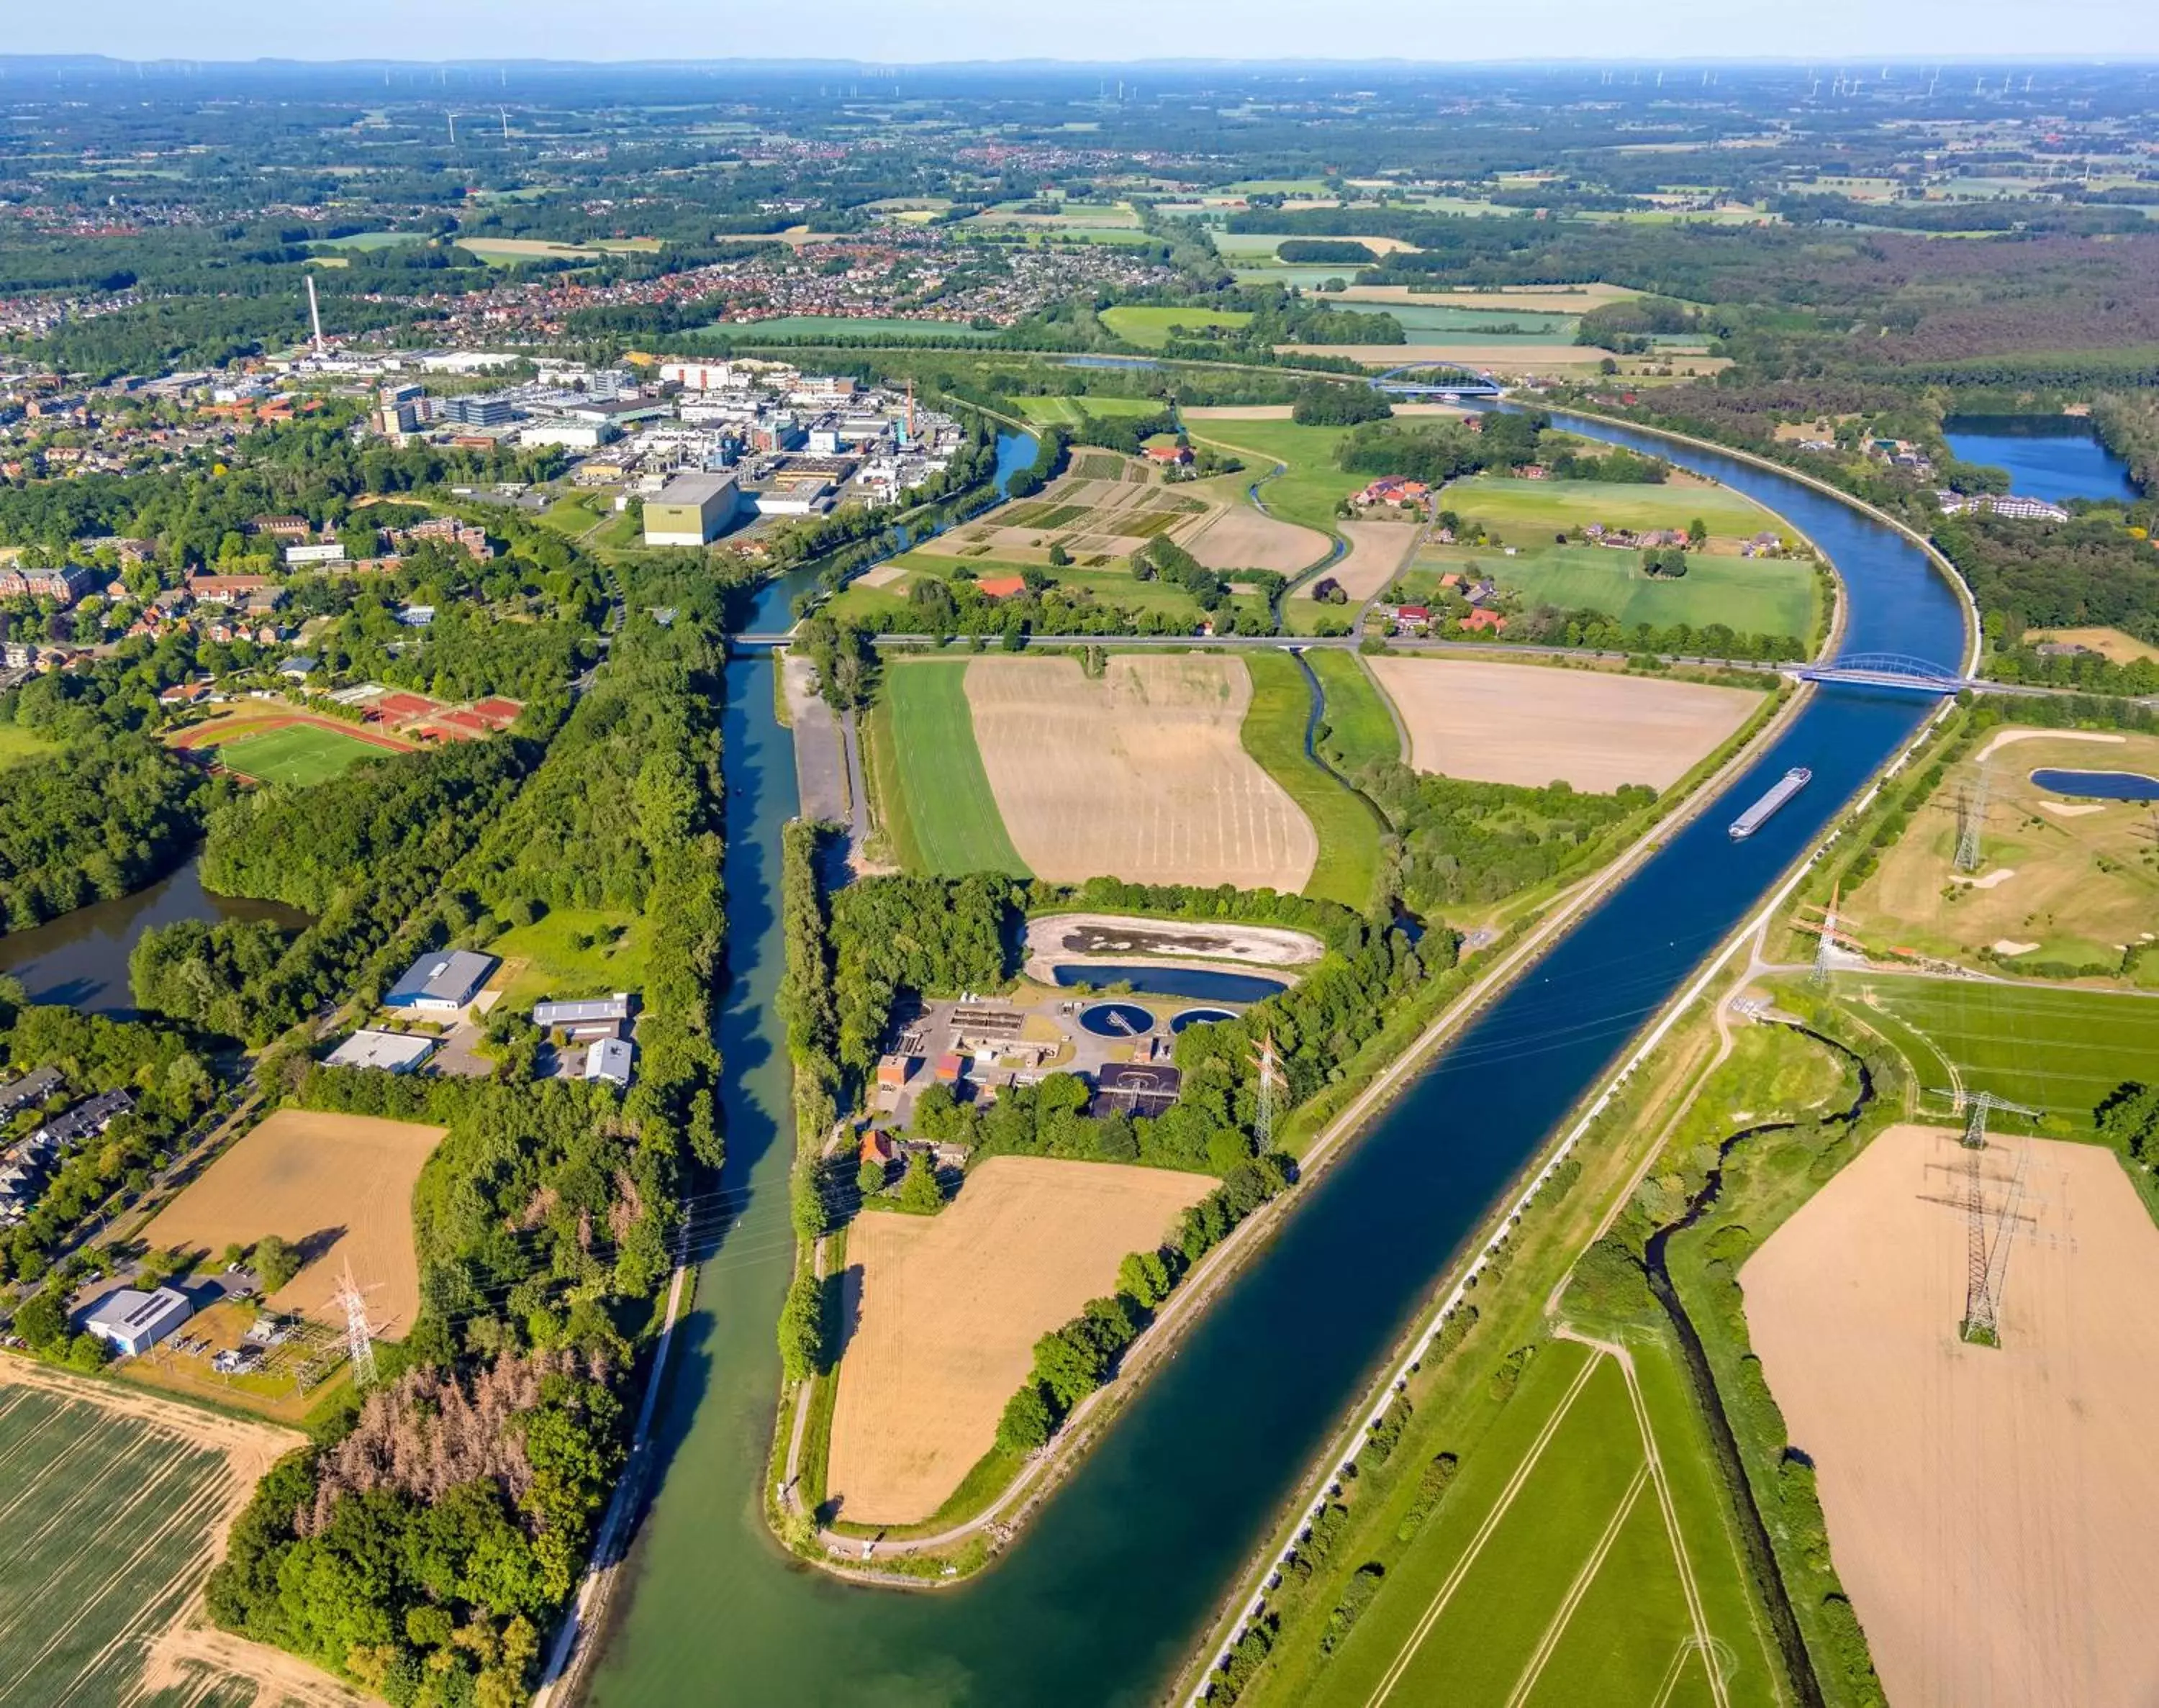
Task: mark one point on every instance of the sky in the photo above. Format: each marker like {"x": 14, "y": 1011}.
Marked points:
{"x": 1094, "y": 31}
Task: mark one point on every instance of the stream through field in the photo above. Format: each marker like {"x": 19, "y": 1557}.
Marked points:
{"x": 1106, "y": 1594}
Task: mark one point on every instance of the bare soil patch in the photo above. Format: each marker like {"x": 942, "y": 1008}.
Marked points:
{"x": 1993, "y": 1511}
{"x": 946, "y": 1309}
{"x": 1529, "y": 299}
{"x": 1515, "y": 357}
{"x": 1531, "y": 725}
{"x": 339, "y": 1187}
{"x": 1240, "y": 537}
{"x": 2108, "y": 643}
{"x": 1141, "y": 775}
{"x": 1377, "y": 551}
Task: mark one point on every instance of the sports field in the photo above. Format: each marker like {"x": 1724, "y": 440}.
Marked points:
{"x": 1361, "y": 728}
{"x": 2063, "y": 1051}
{"x": 1533, "y": 725}
{"x": 1580, "y": 1557}
{"x": 1750, "y": 596}
{"x": 1993, "y": 1511}
{"x": 1141, "y": 773}
{"x": 296, "y": 753}
{"x": 1519, "y": 510}
{"x": 935, "y": 798}
{"x": 338, "y": 1187}
{"x": 113, "y": 1506}
{"x": 946, "y": 1309}
{"x": 1149, "y": 327}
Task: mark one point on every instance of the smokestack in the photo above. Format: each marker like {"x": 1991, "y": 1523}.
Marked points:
{"x": 315, "y": 314}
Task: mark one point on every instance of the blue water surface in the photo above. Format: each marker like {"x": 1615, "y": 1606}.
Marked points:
{"x": 2057, "y": 458}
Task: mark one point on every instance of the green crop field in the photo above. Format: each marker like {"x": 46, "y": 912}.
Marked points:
{"x": 1148, "y": 327}
{"x": 938, "y": 809}
{"x": 299, "y": 754}
{"x": 1070, "y": 412}
{"x": 1520, "y": 509}
{"x": 1551, "y": 1572}
{"x": 1424, "y": 322}
{"x": 2061, "y": 1051}
{"x": 1312, "y": 482}
{"x": 1752, "y": 595}
{"x": 108, "y": 1523}
{"x": 1347, "y": 825}
{"x": 1360, "y": 727}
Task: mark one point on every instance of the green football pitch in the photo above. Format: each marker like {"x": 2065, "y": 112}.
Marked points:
{"x": 298, "y": 753}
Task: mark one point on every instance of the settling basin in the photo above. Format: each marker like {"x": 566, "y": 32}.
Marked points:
{"x": 1103, "y": 1598}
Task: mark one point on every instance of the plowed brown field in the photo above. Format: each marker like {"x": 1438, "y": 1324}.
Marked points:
{"x": 946, "y": 1310}
{"x": 1140, "y": 774}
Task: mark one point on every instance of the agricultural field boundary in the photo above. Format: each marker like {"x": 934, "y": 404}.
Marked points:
{"x": 1498, "y": 1226}
{"x": 1007, "y": 1515}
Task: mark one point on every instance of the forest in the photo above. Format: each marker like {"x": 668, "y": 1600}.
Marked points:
{"x": 95, "y": 820}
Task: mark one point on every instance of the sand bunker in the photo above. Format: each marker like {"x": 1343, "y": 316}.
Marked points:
{"x": 2005, "y": 737}
{"x": 338, "y": 1187}
{"x": 1531, "y": 725}
{"x": 946, "y": 1310}
{"x": 1141, "y": 773}
{"x": 1993, "y": 1511}
{"x": 1993, "y": 880}
{"x": 2070, "y": 810}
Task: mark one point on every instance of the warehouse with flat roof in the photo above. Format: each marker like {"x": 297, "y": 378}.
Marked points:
{"x": 692, "y": 510}
{"x": 134, "y": 1321}
{"x": 441, "y": 982}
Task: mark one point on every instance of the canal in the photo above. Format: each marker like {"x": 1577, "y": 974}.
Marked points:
{"x": 1104, "y": 1597}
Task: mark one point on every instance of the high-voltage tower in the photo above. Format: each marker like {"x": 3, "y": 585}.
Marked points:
{"x": 1971, "y": 821}
{"x": 1984, "y": 1265}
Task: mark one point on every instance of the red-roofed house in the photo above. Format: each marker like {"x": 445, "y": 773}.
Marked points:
{"x": 1481, "y": 619}
{"x": 1176, "y": 456}
{"x": 1001, "y": 587}
{"x": 1414, "y": 616}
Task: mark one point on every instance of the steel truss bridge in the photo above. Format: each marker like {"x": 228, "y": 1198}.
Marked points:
{"x": 1451, "y": 381}
{"x": 1892, "y": 670}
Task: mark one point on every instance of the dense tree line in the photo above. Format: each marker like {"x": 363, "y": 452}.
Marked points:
{"x": 1466, "y": 841}
{"x": 1321, "y": 403}
{"x": 95, "y": 820}
{"x": 2088, "y": 571}
{"x": 1548, "y": 625}
{"x": 1438, "y": 451}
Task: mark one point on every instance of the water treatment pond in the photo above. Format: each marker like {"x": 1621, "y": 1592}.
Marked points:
{"x": 2100, "y": 785}
{"x": 1201, "y": 984}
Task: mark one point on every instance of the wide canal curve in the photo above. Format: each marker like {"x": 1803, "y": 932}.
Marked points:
{"x": 1103, "y": 1598}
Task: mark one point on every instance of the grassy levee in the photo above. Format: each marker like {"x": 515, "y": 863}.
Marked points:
{"x": 1360, "y": 727}
{"x": 940, "y": 811}
{"x": 1348, "y": 827}
{"x": 1456, "y": 1403}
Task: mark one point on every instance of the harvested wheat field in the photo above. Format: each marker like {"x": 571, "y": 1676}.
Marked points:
{"x": 946, "y": 1311}
{"x": 1377, "y": 552}
{"x": 338, "y": 1187}
{"x": 1239, "y": 537}
{"x": 1532, "y": 725}
{"x": 1141, "y": 773}
{"x": 1994, "y": 1512}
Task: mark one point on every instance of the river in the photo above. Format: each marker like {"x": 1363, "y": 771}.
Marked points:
{"x": 81, "y": 958}
{"x": 1101, "y": 1600}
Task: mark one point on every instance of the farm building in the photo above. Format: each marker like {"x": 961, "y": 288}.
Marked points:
{"x": 393, "y": 1052}
{"x": 134, "y": 1321}
{"x": 611, "y": 1060}
{"x": 593, "y": 1017}
{"x": 1135, "y": 1088}
{"x": 1001, "y": 587}
{"x": 441, "y": 982}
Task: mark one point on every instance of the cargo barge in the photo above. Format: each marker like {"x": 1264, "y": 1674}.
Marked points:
{"x": 1758, "y": 814}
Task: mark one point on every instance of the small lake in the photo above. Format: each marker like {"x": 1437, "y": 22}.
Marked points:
{"x": 2053, "y": 457}
{"x": 81, "y": 958}
{"x": 2100, "y": 785}
{"x": 1201, "y": 984}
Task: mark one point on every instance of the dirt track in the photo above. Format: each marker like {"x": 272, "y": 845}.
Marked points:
{"x": 340, "y": 1186}
{"x": 946, "y": 1310}
{"x": 1994, "y": 1512}
{"x": 1141, "y": 773}
{"x": 1533, "y": 725}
